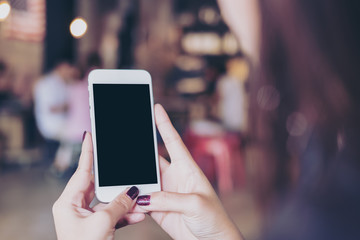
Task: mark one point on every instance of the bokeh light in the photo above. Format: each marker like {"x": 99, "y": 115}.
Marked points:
{"x": 78, "y": 27}
{"x": 4, "y": 10}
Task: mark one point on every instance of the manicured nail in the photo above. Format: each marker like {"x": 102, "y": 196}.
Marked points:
{"x": 133, "y": 192}
{"x": 143, "y": 200}
{"x": 84, "y": 134}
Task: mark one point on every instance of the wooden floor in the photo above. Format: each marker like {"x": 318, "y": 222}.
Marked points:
{"x": 27, "y": 195}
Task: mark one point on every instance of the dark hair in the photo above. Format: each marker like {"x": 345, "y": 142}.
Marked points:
{"x": 306, "y": 91}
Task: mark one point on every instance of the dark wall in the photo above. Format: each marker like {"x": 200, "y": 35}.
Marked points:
{"x": 59, "y": 44}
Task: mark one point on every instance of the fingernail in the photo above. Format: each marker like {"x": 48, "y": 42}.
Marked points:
{"x": 143, "y": 200}
{"x": 133, "y": 192}
{"x": 83, "y": 137}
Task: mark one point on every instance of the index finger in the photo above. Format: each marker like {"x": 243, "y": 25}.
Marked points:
{"x": 171, "y": 138}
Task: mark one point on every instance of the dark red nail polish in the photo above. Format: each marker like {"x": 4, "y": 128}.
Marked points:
{"x": 84, "y": 134}
{"x": 133, "y": 192}
{"x": 143, "y": 200}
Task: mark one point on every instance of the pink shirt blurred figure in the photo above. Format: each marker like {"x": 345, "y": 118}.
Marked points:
{"x": 78, "y": 119}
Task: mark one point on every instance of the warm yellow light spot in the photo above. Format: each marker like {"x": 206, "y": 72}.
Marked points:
{"x": 4, "y": 10}
{"x": 78, "y": 27}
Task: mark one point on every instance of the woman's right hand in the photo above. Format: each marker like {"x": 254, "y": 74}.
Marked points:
{"x": 188, "y": 207}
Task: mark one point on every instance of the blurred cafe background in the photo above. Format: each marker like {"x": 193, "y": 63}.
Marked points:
{"x": 199, "y": 74}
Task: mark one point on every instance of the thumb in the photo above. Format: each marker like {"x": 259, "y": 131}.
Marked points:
{"x": 170, "y": 202}
{"x": 121, "y": 205}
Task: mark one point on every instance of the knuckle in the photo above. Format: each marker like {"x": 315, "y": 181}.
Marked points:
{"x": 122, "y": 202}
{"x": 165, "y": 197}
{"x": 171, "y": 133}
{"x": 86, "y": 153}
{"x": 172, "y": 139}
{"x": 197, "y": 201}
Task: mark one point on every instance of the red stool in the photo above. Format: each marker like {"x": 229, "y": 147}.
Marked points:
{"x": 215, "y": 155}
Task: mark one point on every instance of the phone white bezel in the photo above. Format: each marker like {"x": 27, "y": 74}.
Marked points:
{"x": 105, "y": 76}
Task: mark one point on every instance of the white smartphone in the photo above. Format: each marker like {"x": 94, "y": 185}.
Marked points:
{"x": 123, "y": 132}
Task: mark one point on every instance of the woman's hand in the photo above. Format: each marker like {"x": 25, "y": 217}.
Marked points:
{"x": 73, "y": 217}
{"x": 188, "y": 207}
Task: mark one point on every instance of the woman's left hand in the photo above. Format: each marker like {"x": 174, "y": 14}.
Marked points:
{"x": 73, "y": 217}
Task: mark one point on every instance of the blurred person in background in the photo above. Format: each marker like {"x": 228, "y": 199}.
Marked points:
{"x": 11, "y": 113}
{"x": 51, "y": 104}
{"x": 16, "y": 114}
{"x": 305, "y": 105}
{"x": 4, "y": 95}
{"x": 77, "y": 120}
{"x": 232, "y": 99}
{"x": 5, "y": 85}
{"x": 3, "y": 81}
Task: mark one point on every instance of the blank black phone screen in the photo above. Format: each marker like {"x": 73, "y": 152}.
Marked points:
{"x": 124, "y": 134}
